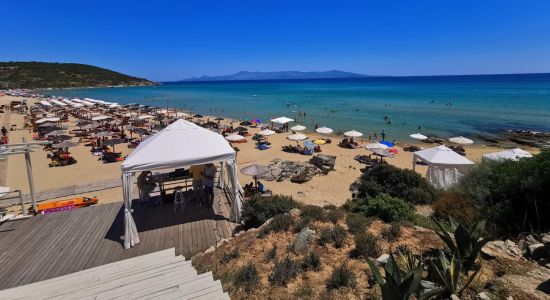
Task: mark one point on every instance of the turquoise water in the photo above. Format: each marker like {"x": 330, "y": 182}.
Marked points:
{"x": 485, "y": 103}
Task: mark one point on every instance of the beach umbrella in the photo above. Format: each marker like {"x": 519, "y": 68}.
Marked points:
{"x": 219, "y": 119}
{"x": 324, "y": 130}
{"x": 113, "y": 142}
{"x": 198, "y": 116}
{"x": 381, "y": 152}
{"x": 256, "y": 121}
{"x": 90, "y": 126}
{"x": 140, "y": 130}
{"x": 62, "y": 137}
{"x": 461, "y": 140}
{"x": 103, "y": 134}
{"x": 297, "y": 137}
{"x": 101, "y": 118}
{"x": 376, "y": 146}
{"x": 56, "y": 133}
{"x": 48, "y": 125}
{"x": 82, "y": 122}
{"x": 298, "y": 128}
{"x": 309, "y": 144}
{"x": 266, "y": 132}
{"x": 246, "y": 123}
{"x": 353, "y": 133}
{"x": 240, "y": 128}
{"x": 282, "y": 120}
{"x": 387, "y": 143}
{"x": 65, "y": 144}
{"x": 255, "y": 170}
{"x": 319, "y": 142}
{"x": 418, "y": 136}
{"x": 234, "y": 138}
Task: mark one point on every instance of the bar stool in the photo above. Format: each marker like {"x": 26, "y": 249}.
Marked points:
{"x": 179, "y": 200}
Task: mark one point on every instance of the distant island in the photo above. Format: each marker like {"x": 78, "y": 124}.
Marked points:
{"x": 280, "y": 75}
{"x": 32, "y": 75}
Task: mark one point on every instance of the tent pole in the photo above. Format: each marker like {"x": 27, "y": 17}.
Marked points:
{"x": 30, "y": 177}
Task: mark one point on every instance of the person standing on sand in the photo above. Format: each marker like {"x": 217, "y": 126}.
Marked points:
{"x": 383, "y": 135}
{"x": 208, "y": 177}
{"x": 196, "y": 172}
{"x": 4, "y": 131}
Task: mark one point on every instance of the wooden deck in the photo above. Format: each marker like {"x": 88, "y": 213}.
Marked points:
{"x": 48, "y": 246}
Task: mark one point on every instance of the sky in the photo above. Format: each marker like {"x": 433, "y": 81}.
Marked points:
{"x": 171, "y": 40}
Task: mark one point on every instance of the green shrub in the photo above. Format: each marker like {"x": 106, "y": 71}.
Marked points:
{"x": 513, "y": 195}
{"x": 330, "y": 207}
{"x": 366, "y": 245}
{"x": 271, "y": 254}
{"x": 325, "y": 236}
{"x": 312, "y": 262}
{"x": 280, "y": 223}
{"x": 392, "y": 232}
{"x": 389, "y": 209}
{"x": 357, "y": 223}
{"x": 341, "y": 277}
{"x": 284, "y": 271}
{"x": 338, "y": 236}
{"x": 260, "y": 209}
{"x": 335, "y": 215}
{"x": 310, "y": 213}
{"x": 402, "y": 183}
{"x": 228, "y": 256}
{"x": 304, "y": 291}
{"x": 456, "y": 206}
{"x": 246, "y": 277}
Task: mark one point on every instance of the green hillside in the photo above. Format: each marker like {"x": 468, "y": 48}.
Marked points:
{"x": 32, "y": 75}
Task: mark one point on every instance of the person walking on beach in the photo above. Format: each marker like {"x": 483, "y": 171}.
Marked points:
{"x": 208, "y": 177}
{"x": 383, "y": 135}
{"x": 196, "y": 172}
{"x": 4, "y": 131}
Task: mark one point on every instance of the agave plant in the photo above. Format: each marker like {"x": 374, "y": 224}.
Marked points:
{"x": 398, "y": 283}
{"x": 467, "y": 242}
{"x": 447, "y": 275}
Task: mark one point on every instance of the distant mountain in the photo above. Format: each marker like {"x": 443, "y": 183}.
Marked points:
{"x": 282, "y": 75}
{"x": 32, "y": 75}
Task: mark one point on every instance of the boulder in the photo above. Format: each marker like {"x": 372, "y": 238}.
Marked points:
{"x": 302, "y": 240}
{"x": 483, "y": 296}
{"x": 382, "y": 259}
{"x": 295, "y": 213}
{"x": 545, "y": 239}
{"x": 296, "y": 171}
{"x": 537, "y": 251}
{"x": 324, "y": 162}
{"x": 506, "y": 249}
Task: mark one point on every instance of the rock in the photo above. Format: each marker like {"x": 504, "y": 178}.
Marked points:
{"x": 454, "y": 297}
{"x": 296, "y": 171}
{"x": 324, "y": 162}
{"x": 382, "y": 259}
{"x": 545, "y": 239}
{"x": 533, "y": 283}
{"x": 506, "y": 249}
{"x": 483, "y": 296}
{"x": 211, "y": 249}
{"x": 537, "y": 251}
{"x": 294, "y": 213}
{"x": 427, "y": 285}
{"x": 302, "y": 240}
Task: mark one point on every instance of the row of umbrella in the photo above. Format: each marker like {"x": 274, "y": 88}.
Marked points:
{"x": 457, "y": 140}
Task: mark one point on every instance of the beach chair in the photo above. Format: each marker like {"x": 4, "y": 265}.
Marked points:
{"x": 179, "y": 200}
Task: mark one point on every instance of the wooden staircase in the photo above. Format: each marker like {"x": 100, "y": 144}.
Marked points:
{"x": 159, "y": 275}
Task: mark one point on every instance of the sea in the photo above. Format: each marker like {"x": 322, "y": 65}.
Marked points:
{"x": 441, "y": 105}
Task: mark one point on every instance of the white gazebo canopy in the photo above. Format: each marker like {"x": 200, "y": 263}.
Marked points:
{"x": 181, "y": 144}
{"x": 512, "y": 154}
{"x": 445, "y": 166}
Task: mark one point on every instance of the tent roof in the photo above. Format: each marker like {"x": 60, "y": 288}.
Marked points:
{"x": 179, "y": 145}
{"x": 513, "y": 154}
{"x": 442, "y": 155}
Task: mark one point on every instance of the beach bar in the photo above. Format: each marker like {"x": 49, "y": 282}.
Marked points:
{"x": 180, "y": 145}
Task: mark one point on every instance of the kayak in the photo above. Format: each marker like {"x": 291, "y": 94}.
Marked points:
{"x": 69, "y": 203}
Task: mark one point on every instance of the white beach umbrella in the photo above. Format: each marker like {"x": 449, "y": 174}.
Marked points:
{"x": 376, "y": 146}
{"x": 266, "y": 132}
{"x": 297, "y": 137}
{"x": 101, "y": 118}
{"x": 298, "y": 128}
{"x": 382, "y": 152}
{"x": 461, "y": 140}
{"x": 144, "y": 117}
{"x": 282, "y": 120}
{"x": 324, "y": 130}
{"x": 353, "y": 133}
{"x": 418, "y": 136}
{"x": 234, "y": 138}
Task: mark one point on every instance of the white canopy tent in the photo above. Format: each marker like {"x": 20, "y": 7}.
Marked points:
{"x": 445, "y": 166}
{"x": 181, "y": 144}
{"x": 512, "y": 154}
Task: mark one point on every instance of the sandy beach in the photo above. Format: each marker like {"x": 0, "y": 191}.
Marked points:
{"x": 321, "y": 190}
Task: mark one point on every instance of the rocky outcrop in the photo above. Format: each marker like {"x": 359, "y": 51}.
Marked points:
{"x": 303, "y": 240}
{"x": 296, "y": 171}
{"x": 324, "y": 162}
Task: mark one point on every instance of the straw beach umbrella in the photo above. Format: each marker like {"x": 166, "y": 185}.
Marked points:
{"x": 234, "y": 138}
{"x": 297, "y": 137}
{"x": 324, "y": 130}
{"x": 298, "y": 128}
{"x": 376, "y": 146}
{"x": 65, "y": 144}
{"x": 113, "y": 142}
{"x": 255, "y": 170}
{"x": 266, "y": 132}
{"x": 353, "y": 133}
{"x": 461, "y": 140}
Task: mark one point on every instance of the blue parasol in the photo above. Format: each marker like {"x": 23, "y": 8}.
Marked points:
{"x": 389, "y": 144}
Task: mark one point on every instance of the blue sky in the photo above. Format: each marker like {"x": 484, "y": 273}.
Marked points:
{"x": 170, "y": 40}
